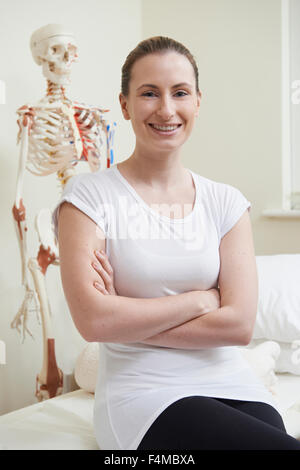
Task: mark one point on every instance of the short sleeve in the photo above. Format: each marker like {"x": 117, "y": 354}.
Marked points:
{"x": 83, "y": 192}
{"x": 232, "y": 205}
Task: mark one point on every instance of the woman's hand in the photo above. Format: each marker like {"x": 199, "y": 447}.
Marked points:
{"x": 103, "y": 267}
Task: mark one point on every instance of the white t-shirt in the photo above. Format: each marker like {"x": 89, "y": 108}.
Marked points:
{"x": 152, "y": 256}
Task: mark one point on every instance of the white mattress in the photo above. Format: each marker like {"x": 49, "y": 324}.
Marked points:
{"x": 62, "y": 423}
{"x": 66, "y": 422}
{"x": 288, "y": 392}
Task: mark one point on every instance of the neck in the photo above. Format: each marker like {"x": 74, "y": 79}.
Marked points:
{"x": 162, "y": 171}
{"x": 56, "y": 92}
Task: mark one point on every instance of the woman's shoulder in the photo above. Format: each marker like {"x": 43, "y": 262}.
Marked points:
{"x": 218, "y": 193}
{"x": 225, "y": 202}
{"x": 211, "y": 185}
{"x": 87, "y": 176}
{"x": 91, "y": 180}
{"x": 90, "y": 193}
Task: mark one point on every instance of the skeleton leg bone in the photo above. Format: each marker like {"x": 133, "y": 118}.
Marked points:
{"x": 50, "y": 379}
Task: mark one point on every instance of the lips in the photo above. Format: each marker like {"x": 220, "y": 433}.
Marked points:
{"x": 166, "y": 129}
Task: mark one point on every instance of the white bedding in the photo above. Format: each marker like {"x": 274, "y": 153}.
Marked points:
{"x": 288, "y": 391}
{"x": 61, "y": 423}
{"x": 66, "y": 422}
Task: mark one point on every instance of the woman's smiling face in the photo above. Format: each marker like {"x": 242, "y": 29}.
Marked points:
{"x": 162, "y": 102}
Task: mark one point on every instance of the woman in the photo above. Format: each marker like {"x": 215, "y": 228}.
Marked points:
{"x": 175, "y": 287}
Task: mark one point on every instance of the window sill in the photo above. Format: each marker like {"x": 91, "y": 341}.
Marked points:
{"x": 281, "y": 213}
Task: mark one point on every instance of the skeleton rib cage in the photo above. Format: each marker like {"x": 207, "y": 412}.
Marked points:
{"x": 62, "y": 134}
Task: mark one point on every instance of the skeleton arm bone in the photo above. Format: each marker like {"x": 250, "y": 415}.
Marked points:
{"x": 19, "y": 211}
{"x": 19, "y": 214}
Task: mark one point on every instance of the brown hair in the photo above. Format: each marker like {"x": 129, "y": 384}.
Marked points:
{"x": 157, "y": 44}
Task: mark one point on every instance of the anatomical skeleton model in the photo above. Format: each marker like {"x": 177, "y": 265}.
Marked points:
{"x": 54, "y": 135}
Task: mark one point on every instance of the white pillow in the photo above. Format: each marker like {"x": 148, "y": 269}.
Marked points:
{"x": 289, "y": 358}
{"x": 278, "y": 315}
{"x": 86, "y": 367}
{"x": 262, "y": 358}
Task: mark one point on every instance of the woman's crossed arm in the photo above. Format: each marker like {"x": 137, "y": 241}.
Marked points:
{"x": 233, "y": 322}
{"x": 232, "y": 309}
{"x": 111, "y": 318}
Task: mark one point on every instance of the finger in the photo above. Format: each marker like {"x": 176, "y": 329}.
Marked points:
{"x": 106, "y": 278}
{"x": 100, "y": 288}
{"x": 102, "y": 257}
{"x": 105, "y": 270}
{"x": 98, "y": 268}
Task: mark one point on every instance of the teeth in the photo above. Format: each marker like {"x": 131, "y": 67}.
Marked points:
{"x": 164, "y": 128}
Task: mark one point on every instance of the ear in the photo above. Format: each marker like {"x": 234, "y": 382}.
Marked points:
{"x": 124, "y": 107}
{"x": 199, "y": 96}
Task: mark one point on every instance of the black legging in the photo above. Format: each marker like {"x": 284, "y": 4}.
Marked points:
{"x": 202, "y": 423}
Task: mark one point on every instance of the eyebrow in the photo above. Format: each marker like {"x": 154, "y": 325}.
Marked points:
{"x": 178, "y": 85}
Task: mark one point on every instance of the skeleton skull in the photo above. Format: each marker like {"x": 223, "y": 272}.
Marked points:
{"x": 54, "y": 47}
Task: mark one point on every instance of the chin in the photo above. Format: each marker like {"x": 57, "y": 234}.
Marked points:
{"x": 55, "y": 77}
{"x": 169, "y": 145}
{"x": 167, "y": 148}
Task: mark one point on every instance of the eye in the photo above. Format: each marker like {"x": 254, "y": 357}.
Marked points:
{"x": 148, "y": 94}
{"x": 55, "y": 49}
{"x": 181, "y": 93}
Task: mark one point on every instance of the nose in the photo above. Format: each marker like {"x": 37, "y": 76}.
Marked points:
{"x": 66, "y": 56}
{"x": 166, "y": 108}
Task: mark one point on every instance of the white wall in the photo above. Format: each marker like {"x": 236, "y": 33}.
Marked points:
{"x": 106, "y": 31}
{"x": 237, "y": 140}
{"x": 294, "y": 38}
